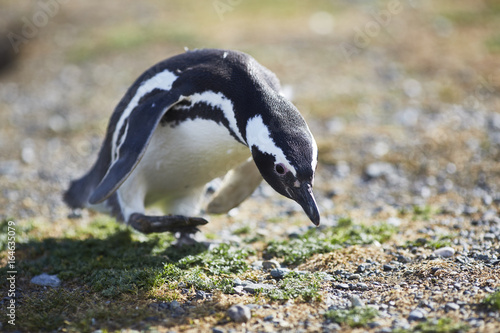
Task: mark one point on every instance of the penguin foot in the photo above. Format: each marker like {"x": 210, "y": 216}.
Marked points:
{"x": 171, "y": 223}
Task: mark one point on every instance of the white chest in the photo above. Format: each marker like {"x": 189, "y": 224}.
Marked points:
{"x": 183, "y": 159}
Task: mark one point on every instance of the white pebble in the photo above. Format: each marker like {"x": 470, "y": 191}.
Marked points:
{"x": 239, "y": 313}
{"x": 445, "y": 252}
{"x": 46, "y": 280}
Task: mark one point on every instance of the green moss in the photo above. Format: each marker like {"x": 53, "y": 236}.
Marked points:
{"x": 19, "y": 232}
{"x": 209, "y": 271}
{"x": 242, "y": 231}
{"x": 305, "y": 287}
{"x": 435, "y": 243}
{"x": 442, "y": 325}
{"x": 354, "y": 317}
{"x": 493, "y": 43}
{"x": 422, "y": 212}
{"x": 492, "y": 301}
{"x": 297, "y": 250}
{"x": 223, "y": 259}
{"x": 115, "y": 270}
{"x": 111, "y": 259}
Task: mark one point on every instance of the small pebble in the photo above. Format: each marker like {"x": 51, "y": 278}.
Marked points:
{"x": 388, "y": 268}
{"x": 332, "y": 327}
{"x": 254, "y": 287}
{"x": 445, "y": 252}
{"x": 175, "y": 305}
{"x": 47, "y": 280}
{"x": 489, "y": 237}
{"x": 354, "y": 277}
{"x": 270, "y": 264}
{"x": 417, "y": 315}
{"x": 374, "y": 324}
{"x": 257, "y": 265}
{"x": 279, "y": 273}
{"x": 403, "y": 259}
{"x": 239, "y": 313}
{"x": 400, "y": 323}
{"x": 217, "y": 330}
{"x": 378, "y": 169}
{"x": 356, "y": 301}
{"x": 452, "y": 306}
{"x": 342, "y": 286}
{"x": 362, "y": 286}
{"x": 28, "y": 155}
{"x": 361, "y": 268}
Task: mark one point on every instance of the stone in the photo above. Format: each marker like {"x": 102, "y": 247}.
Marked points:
{"x": 400, "y": 324}
{"x": 356, "y": 301}
{"x": 217, "y": 330}
{"x": 361, "y": 268}
{"x": 489, "y": 236}
{"x": 403, "y": 259}
{"x": 378, "y": 169}
{"x": 46, "y": 280}
{"x": 342, "y": 286}
{"x": 255, "y": 287}
{"x": 362, "y": 286}
{"x": 257, "y": 265}
{"x": 452, "y": 306}
{"x": 201, "y": 295}
{"x": 417, "y": 315}
{"x": 269, "y": 318}
{"x": 174, "y": 305}
{"x": 279, "y": 273}
{"x": 354, "y": 277}
{"x": 270, "y": 264}
{"x": 374, "y": 324}
{"x": 332, "y": 327}
{"x": 239, "y": 313}
{"x": 388, "y": 268}
{"x": 445, "y": 252}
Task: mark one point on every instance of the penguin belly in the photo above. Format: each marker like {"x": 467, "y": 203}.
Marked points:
{"x": 179, "y": 161}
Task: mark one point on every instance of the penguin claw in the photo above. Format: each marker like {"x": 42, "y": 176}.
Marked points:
{"x": 170, "y": 223}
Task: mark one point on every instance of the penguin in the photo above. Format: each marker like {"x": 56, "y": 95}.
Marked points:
{"x": 192, "y": 118}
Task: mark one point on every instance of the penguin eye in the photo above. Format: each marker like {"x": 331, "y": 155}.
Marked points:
{"x": 280, "y": 168}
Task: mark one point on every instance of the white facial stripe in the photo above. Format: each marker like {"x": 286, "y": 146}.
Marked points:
{"x": 258, "y": 135}
{"x": 163, "y": 81}
{"x": 314, "y": 159}
{"x": 218, "y": 100}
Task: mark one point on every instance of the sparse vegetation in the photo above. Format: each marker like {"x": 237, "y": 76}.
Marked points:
{"x": 304, "y": 286}
{"x": 296, "y": 250}
{"x": 492, "y": 301}
{"x": 442, "y": 325}
{"x": 354, "y": 317}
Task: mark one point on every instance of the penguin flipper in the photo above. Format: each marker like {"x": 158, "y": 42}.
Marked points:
{"x": 137, "y": 130}
{"x": 238, "y": 184}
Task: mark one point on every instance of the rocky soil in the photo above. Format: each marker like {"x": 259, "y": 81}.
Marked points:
{"x": 405, "y": 112}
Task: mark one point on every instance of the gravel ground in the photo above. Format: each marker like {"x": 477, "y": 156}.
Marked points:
{"x": 407, "y": 122}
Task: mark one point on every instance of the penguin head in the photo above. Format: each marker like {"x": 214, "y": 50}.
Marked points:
{"x": 285, "y": 153}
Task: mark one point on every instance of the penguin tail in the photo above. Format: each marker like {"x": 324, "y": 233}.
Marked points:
{"x": 78, "y": 193}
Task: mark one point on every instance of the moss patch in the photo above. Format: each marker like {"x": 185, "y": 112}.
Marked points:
{"x": 297, "y": 250}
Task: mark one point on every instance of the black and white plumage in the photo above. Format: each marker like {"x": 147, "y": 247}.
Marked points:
{"x": 188, "y": 120}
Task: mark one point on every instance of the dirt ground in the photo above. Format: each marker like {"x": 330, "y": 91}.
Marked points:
{"x": 403, "y": 98}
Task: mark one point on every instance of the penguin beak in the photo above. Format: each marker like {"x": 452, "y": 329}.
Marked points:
{"x": 304, "y": 196}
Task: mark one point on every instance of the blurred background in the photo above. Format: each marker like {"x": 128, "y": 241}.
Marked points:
{"x": 402, "y": 95}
